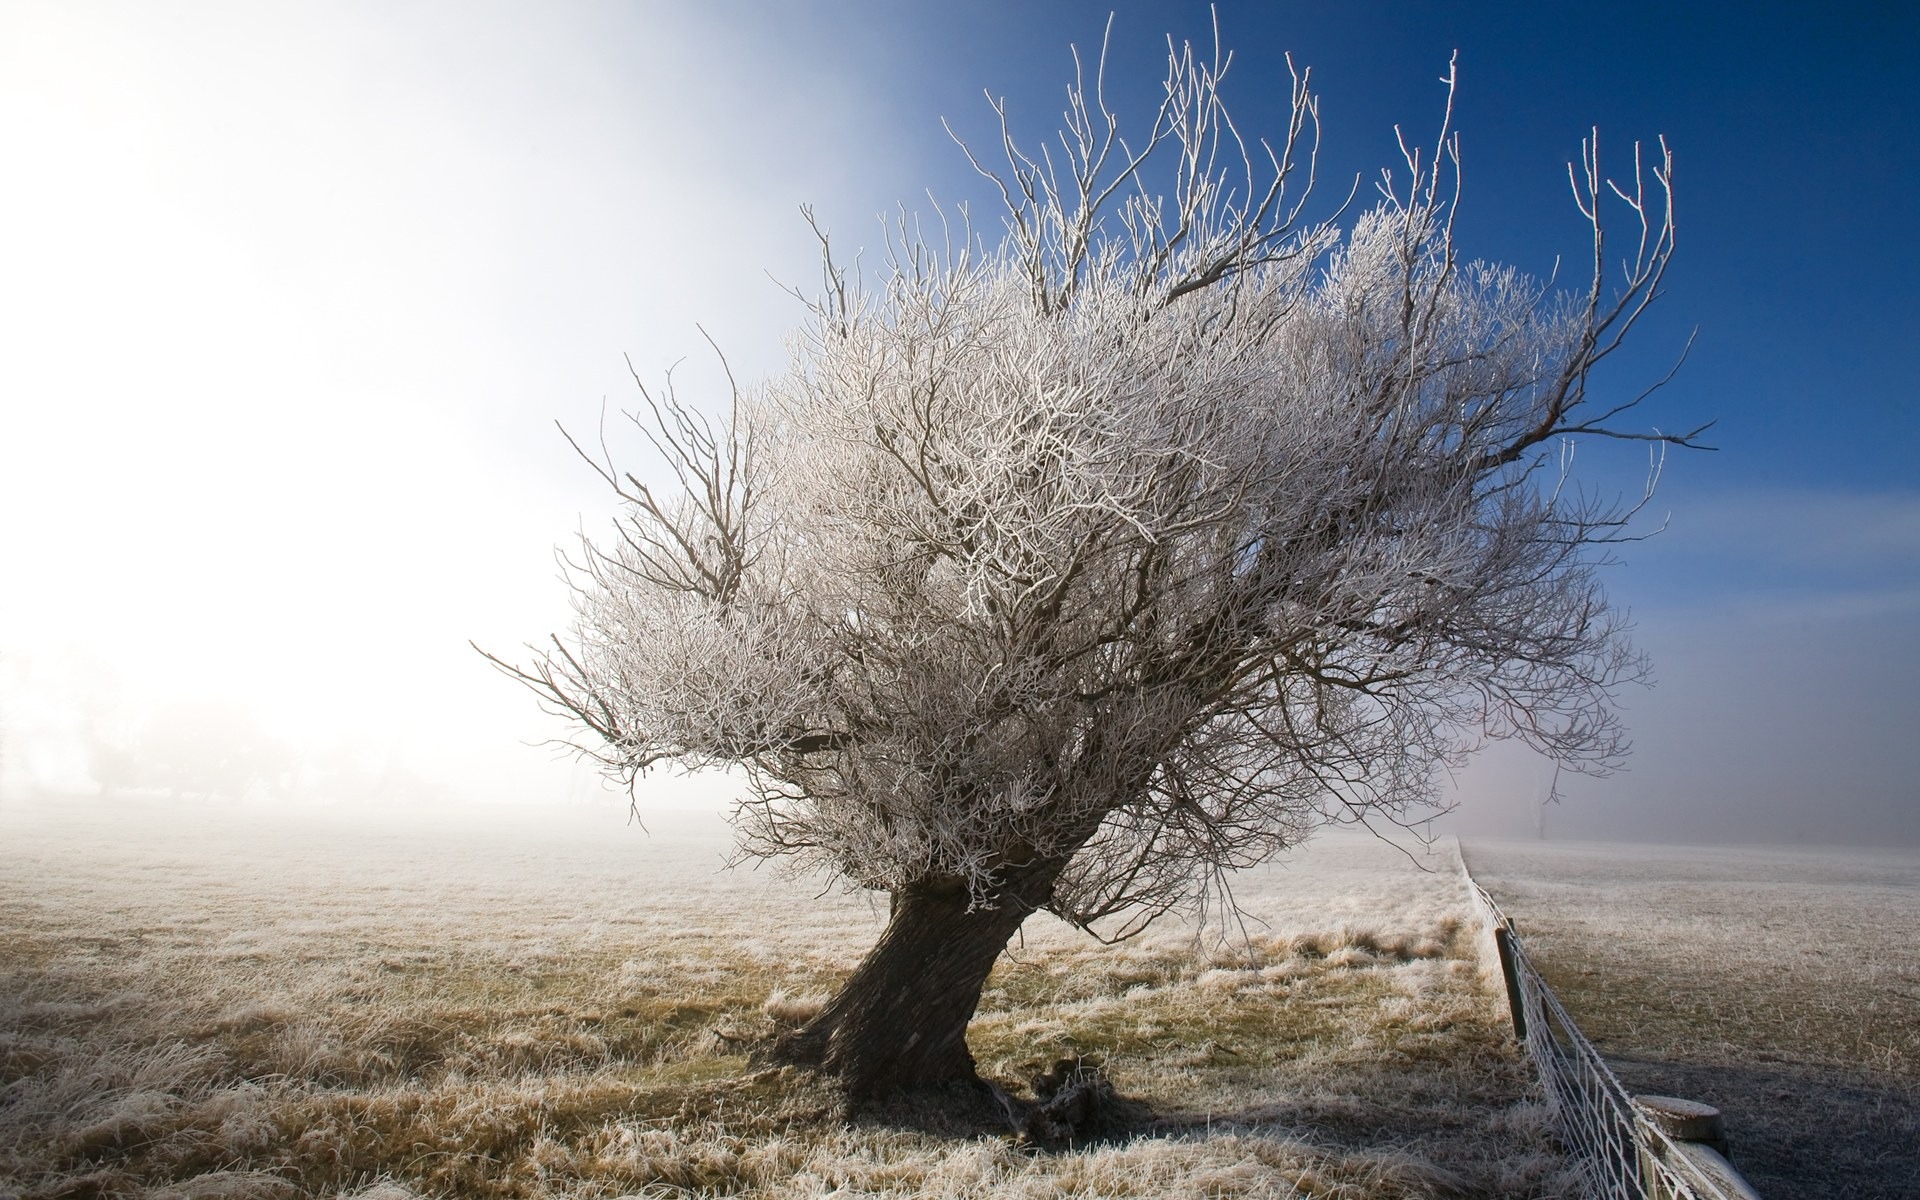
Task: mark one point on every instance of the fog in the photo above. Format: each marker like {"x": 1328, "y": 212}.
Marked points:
{"x": 1783, "y": 633}
{"x": 294, "y": 300}
{"x": 1790, "y": 729}
{"x": 294, "y": 294}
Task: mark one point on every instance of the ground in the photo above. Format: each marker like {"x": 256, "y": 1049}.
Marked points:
{"x": 1780, "y": 985}
{"x": 198, "y": 1002}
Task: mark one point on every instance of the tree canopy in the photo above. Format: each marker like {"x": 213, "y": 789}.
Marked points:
{"x": 1074, "y": 565}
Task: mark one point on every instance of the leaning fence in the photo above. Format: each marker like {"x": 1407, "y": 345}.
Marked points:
{"x": 1618, "y": 1149}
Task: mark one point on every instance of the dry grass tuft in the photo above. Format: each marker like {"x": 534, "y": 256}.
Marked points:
{"x": 190, "y": 1009}
{"x": 793, "y": 1011}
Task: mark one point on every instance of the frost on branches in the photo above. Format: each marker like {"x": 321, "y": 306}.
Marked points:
{"x": 1071, "y": 570}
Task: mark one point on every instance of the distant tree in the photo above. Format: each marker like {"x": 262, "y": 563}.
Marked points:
{"x": 1073, "y": 571}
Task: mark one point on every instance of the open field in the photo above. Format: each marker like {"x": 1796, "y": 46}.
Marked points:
{"x": 1781, "y": 985}
{"x": 204, "y": 1004}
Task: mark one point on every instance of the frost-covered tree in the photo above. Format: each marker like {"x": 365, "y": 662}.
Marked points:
{"x": 1071, "y": 569}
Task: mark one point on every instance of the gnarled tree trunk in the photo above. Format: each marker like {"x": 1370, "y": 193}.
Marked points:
{"x": 900, "y": 1021}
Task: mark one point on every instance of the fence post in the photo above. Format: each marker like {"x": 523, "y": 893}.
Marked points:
{"x": 1628, "y": 1148}
{"x": 1516, "y": 1003}
{"x": 1699, "y": 1134}
{"x": 1685, "y": 1120}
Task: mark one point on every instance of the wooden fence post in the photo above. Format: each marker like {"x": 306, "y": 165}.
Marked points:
{"x": 1516, "y": 1003}
{"x": 1700, "y": 1135}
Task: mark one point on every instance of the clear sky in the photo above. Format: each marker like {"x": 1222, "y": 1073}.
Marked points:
{"x": 291, "y": 294}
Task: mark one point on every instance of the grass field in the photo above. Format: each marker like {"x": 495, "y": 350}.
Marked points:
{"x": 1781, "y": 985}
{"x": 209, "y": 1004}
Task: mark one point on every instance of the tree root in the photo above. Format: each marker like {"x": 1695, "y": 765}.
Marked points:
{"x": 1076, "y": 1105}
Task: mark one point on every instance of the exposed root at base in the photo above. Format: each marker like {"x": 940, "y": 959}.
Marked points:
{"x": 1074, "y": 1105}
{"x": 1077, "y": 1105}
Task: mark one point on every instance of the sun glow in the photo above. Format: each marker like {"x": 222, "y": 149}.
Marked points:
{"x": 292, "y": 299}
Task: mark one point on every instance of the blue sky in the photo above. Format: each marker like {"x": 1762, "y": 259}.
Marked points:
{"x": 1792, "y": 126}
{"x": 293, "y": 294}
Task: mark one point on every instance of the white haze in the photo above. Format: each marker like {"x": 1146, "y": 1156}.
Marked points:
{"x": 1784, "y": 629}
{"x": 293, "y": 294}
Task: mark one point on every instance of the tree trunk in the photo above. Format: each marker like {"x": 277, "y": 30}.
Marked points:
{"x": 900, "y": 1021}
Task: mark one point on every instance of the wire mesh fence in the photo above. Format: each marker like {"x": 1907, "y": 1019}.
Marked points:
{"x": 1621, "y": 1154}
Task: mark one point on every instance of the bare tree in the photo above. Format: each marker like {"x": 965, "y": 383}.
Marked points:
{"x": 1073, "y": 571}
